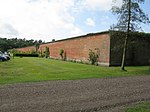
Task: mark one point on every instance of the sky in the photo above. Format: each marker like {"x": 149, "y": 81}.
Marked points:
{"x": 57, "y": 19}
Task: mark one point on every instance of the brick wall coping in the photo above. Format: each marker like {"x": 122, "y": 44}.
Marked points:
{"x": 82, "y": 36}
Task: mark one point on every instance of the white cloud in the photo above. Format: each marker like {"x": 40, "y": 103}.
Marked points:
{"x": 48, "y": 19}
{"x": 8, "y": 30}
{"x": 39, "y": 19}
{"x": 90, "y": 22}
{"x": 98, "y": 4}
{"x": 101, "y": 5}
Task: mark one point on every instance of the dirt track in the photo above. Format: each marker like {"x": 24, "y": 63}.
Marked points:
{"x": 89, "y": 95}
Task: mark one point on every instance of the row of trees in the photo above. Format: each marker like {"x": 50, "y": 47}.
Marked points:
{"x": 6, "y": 44}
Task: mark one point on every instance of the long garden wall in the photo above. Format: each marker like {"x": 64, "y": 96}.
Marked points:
{"x": 78, "y": 48}
{"x": 109, "y": 46}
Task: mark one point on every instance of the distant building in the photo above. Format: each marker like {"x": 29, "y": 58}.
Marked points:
{"x": 108, "y": 45}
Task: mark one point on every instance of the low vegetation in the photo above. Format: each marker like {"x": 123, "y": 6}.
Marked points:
{"x": 31, "y": 69}
{"x": 143, "y": 107}
{"x": 93, "y": 56}
{"x": 61, "y": 52}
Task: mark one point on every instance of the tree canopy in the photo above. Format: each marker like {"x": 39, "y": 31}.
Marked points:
{"x": 6, "y": 44}
{"x": 130, "y": 8}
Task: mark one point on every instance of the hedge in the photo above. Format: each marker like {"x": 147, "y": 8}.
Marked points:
{"x": 26, "y": 55}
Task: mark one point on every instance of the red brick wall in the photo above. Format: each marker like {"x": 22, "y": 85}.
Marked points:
{"x": 27, "y": 49}
{"x": 78, "y": 48}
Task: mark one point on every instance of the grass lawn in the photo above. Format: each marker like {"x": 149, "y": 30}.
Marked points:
{"x": 20, "y": 70}
{"x": 143, "y": 107}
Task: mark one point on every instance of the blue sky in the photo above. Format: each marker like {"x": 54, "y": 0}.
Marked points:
{"x": 57, "y": 19}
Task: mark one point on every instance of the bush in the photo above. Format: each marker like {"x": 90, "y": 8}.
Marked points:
{"x": 26, "y": 55}
{"x": 47, "y": 52}
{"x": 61, "y": 52}
{"x": 93, "y": 56}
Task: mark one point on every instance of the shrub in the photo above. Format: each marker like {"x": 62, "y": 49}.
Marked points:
{"x": 47, "y": 52}
{"x": 93, "y": 56}
{"x": 26, "y": 55}
{"x": 61, "y": 52}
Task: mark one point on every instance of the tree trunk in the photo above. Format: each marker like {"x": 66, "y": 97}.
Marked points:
{"x": 124, "y": 53}
{"x": 126, "y": 39}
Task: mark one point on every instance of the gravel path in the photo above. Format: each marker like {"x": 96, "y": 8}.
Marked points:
{"x": 88, "y": 95}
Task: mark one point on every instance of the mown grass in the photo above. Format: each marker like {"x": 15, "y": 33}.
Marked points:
{"x": 21, "y": 70}
{"x": 143, "y": 107}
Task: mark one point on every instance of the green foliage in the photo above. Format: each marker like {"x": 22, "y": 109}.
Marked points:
{"x": 26, "y": 55}
{"x": 41, "y": 53}
{"x": 23, "y": 54}
{"x": 93, "y": 56}
{"x": 47, "y": 52}
{"x": 6, "y": 44}
{"x": 14, "y": 51}
{"x": 129, "y": 15}
{"x": 136, "y": 42}
{"x": 143, "y": 107}
{"x": 61, "y": 52}
{"x": 37, "y": 45}
{"x": 117, "y": 38}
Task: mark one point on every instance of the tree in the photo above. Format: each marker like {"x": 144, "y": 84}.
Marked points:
{"x": 7, "y": 44}
{"x": 130, "y": 15}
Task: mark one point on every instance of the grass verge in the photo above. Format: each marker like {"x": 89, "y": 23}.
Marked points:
{"x": 25, "y": 69}
{"x": 143, "y": 107}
